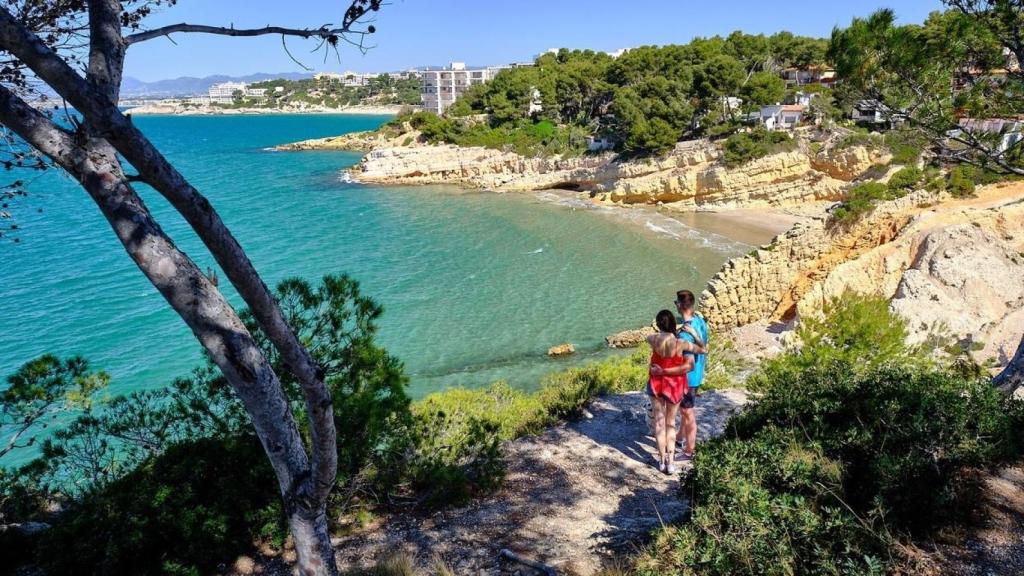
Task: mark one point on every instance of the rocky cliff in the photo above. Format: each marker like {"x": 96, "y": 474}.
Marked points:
{"x": 691, "y": 177}
{"x": 952, "y": 266}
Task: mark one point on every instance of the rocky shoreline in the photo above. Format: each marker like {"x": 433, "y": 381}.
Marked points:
{"x": 946, "y": 264}
{"x": 689, "y": 178}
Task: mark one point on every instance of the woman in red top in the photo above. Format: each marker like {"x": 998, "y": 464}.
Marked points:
{"x": 668, "y": 384}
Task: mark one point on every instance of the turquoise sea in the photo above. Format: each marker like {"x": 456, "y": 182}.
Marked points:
{"x": 475, "y": 285}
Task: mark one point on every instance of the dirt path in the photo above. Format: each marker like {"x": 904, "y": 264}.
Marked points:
{"x": 574, "y": 497}
{"x": 995, "y": 547}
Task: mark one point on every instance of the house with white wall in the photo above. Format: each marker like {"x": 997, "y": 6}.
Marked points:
{"x": 781, "y": 116}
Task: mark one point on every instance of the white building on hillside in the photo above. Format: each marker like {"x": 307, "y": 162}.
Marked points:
{"x": 1004, "y": 132}
{"x": 224, "y": 93}
{"x": 781, "y": 116}
{"x": 441, "y": 88}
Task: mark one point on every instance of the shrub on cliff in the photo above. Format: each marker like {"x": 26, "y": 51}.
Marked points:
{"x": 853, "y": 444}
{"x": 186, "y": 511}
{"x": 962, "y": 180}
{"x": 860, "y": 200}
{"x": 905, "y": 180}
{"x": 744, "y": 147}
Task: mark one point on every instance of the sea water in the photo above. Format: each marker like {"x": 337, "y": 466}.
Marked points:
{"x": 475, "y": 285}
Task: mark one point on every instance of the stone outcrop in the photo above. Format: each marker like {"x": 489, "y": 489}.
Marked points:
{"x": 771, "y": 280}
{"x": 476, "y": 167}
{"x": 848, "y": 163}
{"x": 952, "y": 267}
{"x": 629, "y": 338}
{"x": 966, "y": 270}
{"x": 688, "y": 178}
{"x": 354, "y": 141}
{"x": 561, "y": 350}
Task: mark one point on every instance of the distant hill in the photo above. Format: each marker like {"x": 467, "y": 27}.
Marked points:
{"x": 191, "y": 86}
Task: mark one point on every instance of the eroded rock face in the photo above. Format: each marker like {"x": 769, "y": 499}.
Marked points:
{"x": 848, "y": 163}
{"x": 768, "y": 283}
{"x": 688, "y": 178}
{"x": 949, "y": 267}
{"x": 964, "y": 280}
{"x": 354, "y": 141}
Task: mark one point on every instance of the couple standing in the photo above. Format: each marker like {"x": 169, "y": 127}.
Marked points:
{"x": 678, "y": 352}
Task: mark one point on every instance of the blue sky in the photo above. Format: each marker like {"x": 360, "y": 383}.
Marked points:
{"x": 432, "y": 32}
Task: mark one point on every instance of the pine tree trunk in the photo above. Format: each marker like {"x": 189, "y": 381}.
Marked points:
{"x": 312, "y": 542}
{"x": 89, "y": 155}
{"x": 1012, "y": 377}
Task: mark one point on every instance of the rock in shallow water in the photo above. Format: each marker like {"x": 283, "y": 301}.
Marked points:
{"x": 629, "y": 338}
{"x": 561, "y": 350}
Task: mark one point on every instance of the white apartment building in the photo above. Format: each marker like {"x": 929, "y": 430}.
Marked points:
{"x": 441, "y": 88}
{"x": 224, "y": 93}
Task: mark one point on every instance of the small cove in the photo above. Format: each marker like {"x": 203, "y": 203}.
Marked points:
{"x": 475, "y": 285}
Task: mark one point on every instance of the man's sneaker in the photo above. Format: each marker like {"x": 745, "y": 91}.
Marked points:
{"x": 683, "y": 456}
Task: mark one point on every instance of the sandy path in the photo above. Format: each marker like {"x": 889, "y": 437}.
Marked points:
{"x": 574, "y": 497}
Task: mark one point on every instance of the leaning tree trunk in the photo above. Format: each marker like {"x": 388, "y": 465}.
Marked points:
{"x": 1012, "y": 377}
{"x": 96, "y": 98}
{"x": 90, "y": 156}
{"x": 94, "y": 163}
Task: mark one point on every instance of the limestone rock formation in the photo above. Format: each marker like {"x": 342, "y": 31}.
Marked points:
{"x": 629, "y": 338}
{"x": 848, "y": 163}
{"x": 561, "y": 350}
{"x": 966, "y": 279}
{"x": 688, "y": 178}
{"x": 355, "y": 141}
{"x": 954, "y": 267}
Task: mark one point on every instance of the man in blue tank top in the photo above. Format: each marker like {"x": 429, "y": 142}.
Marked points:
{"x": 693, "y": 329}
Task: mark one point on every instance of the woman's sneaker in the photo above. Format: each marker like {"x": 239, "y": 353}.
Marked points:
{"x": 663, "y": 467}
{"x": 670, "y": 469}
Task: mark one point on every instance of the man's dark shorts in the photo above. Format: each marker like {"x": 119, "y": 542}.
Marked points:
{"x": 689, "y": 399}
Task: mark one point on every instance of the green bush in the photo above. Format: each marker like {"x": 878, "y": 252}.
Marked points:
{"x": 868, "y": 140}
{"x": 860, "y": 200}
{"x": 854, "y": 329}
{"x": 766, "y": 506}
{"x": 905, "y": 145}
{"x": 854, "y": 442}
{"x": 456, "y": 436}
{"x": 744, "y": 147}
{"x": 960, "y": 182}
{"x": 905, "y": 180}
{"x": 904, "y": 434}
{"x": 196, "y": 506}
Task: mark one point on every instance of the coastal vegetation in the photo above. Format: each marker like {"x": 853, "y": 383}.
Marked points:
{"x": 94, "y": 147}
{"x": 180, "y": 465}
{"x": 960, "y": 63}
{"x": 332, "y": 93}
{"x": 645, "y": 100}
{"x": 743, "y": 147}
{"x": 528, "y": 138}
{"x": 856, "y": 448}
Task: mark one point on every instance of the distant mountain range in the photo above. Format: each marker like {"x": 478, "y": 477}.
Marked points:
{"x": 191, "y": 86}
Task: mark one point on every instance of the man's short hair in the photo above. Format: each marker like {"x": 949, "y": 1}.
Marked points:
{"x": 686, "y": 299}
